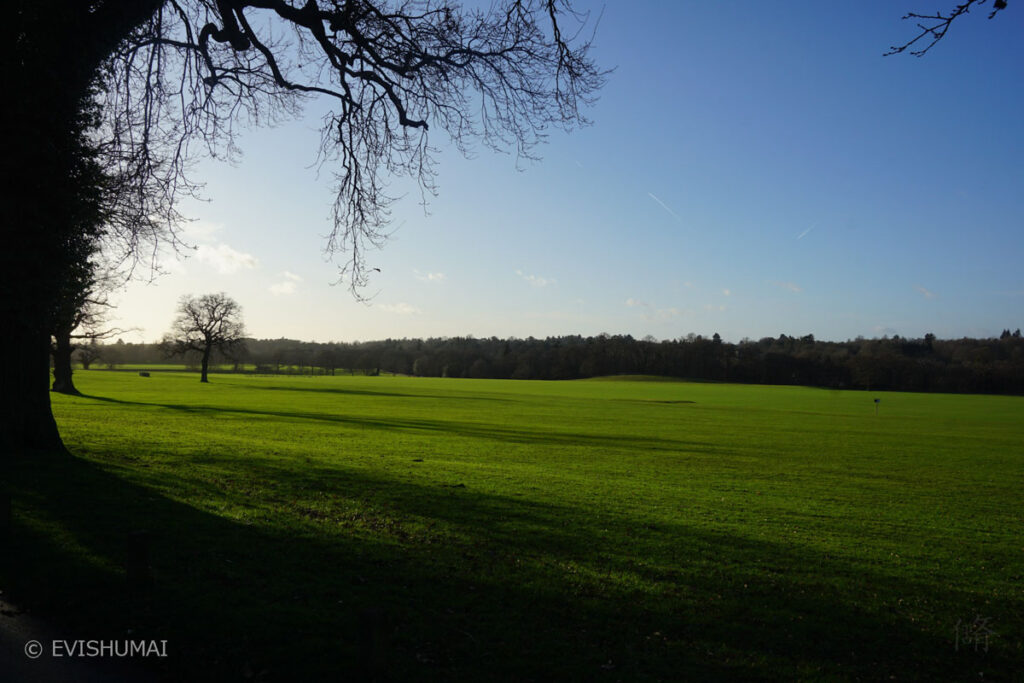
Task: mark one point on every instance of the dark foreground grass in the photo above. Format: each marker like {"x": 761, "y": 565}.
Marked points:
{"x": 499, "y": 530}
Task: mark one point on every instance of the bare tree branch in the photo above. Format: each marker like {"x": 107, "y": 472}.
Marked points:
{"x": 181, "y": 82}
{"x": 933, "y": 27}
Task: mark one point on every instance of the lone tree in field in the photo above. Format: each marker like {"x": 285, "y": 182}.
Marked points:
{"x": 174, "y": 79}
{"x": 205, "y": 323}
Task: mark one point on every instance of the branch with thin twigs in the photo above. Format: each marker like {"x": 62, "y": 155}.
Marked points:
{"x": 934, "y": 26}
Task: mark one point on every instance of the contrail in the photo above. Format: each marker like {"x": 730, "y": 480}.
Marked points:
{"x": 804, "y": 233}
{"x": 665, "y": 206}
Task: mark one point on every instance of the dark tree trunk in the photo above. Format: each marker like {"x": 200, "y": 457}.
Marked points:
{"x": 206, "y": 364}
{"x": 27, "y": 425}
{"x": 50, "y": 52}
{"x": 62, "y": 350}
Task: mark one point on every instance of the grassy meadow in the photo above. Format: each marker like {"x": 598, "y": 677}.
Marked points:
{"x": 618, "y": 529}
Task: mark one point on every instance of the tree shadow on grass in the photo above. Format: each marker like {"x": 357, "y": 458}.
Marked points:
{"x": 474, "y": 586}
{"x": 491, "y": 431}
{"x": 372, "y": 393}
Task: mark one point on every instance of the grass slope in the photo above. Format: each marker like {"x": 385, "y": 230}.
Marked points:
{"x": 625, "y": 530}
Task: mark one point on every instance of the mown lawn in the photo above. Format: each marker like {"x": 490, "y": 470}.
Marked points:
{"x": 502, "y": 530}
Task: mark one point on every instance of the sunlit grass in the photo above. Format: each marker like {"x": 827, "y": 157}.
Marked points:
{"x": 627, "y": 529}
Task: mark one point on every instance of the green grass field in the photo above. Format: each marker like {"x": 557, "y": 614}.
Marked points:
{"x": 590, "y": 530}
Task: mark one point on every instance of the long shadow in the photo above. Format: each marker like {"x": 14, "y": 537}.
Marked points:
{"x": 513, "y": 590}
{"x": 466, "y": 429}
{"x": 371, "y": 392}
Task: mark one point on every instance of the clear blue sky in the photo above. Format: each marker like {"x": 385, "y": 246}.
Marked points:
{"x": 753, "y": 169}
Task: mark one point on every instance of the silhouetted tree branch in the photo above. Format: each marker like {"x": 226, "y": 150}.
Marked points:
{"x": 933, "y": 27}
{"x": 394, "y": 71}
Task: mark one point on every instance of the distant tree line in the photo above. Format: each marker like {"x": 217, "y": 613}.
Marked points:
{"x": 893, "y": 363}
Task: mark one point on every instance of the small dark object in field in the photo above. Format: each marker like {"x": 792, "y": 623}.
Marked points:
{"x": 417, "y": 459}
{"x": 143, "y": 374}
{"x": 454, "y": 486}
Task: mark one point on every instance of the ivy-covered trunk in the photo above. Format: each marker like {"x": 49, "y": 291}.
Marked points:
{"x": 62, "y": 350}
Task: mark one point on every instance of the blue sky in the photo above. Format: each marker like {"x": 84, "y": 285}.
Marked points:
{"x": 753, "y": 169}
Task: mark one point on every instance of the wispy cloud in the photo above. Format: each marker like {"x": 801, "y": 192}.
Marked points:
{"x": 927, "y": 294}
{"x": 713, "y": 307}
{"x": 286, "y": 286}
{"x": 430, "y": 277}
{"x": 536, "y": 280}
{"x": 225, "y": 259}
{"x": 200, "y": 231}
{"x": 400, "y": 309}
{"x": 651, "y": 313}
{"x": 666, "y": 207}
{"x": 791, "y": 286}
{"x": 805, "y": 233}
{"x": 727, "y": 292}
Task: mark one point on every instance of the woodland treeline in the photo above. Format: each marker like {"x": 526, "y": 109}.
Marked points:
{"x": 893, "y": 363}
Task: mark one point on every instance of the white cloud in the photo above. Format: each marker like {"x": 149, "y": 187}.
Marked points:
{"x": 727, "y": 292}
{"x": 791, "y": 286}
{"x": 225, "y": 259}
{"x": 668, "y": 313}
{"x": 924, "y": 292}
{"x": 400, "y": 309}
{"x": 633, "y": 303}
{"x": 200, "y": 231}
{"x": 713, "y": 307}
{"x": 430, "y": 277}
{"x": 536, "y": 280}
{"x": 287, "y": 286}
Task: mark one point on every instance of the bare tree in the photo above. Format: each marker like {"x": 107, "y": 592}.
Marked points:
{"x": 89, "y": 353}
{"x": 205, "y": 323}
{"x": 173, "y": 78}
{"x": 81, "y": 316}
{"x": 933, "y": 27}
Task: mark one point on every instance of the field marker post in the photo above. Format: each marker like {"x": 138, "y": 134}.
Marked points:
{"x": 877, "y": 401}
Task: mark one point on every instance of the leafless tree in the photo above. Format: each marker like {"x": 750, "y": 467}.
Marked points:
{"x": 172, "y": 80}
{"x": 205, "y": 323}
{"x": 89, "y": 353}
{"x": 933, "y": 27}
{"x": 82, "y": 316}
